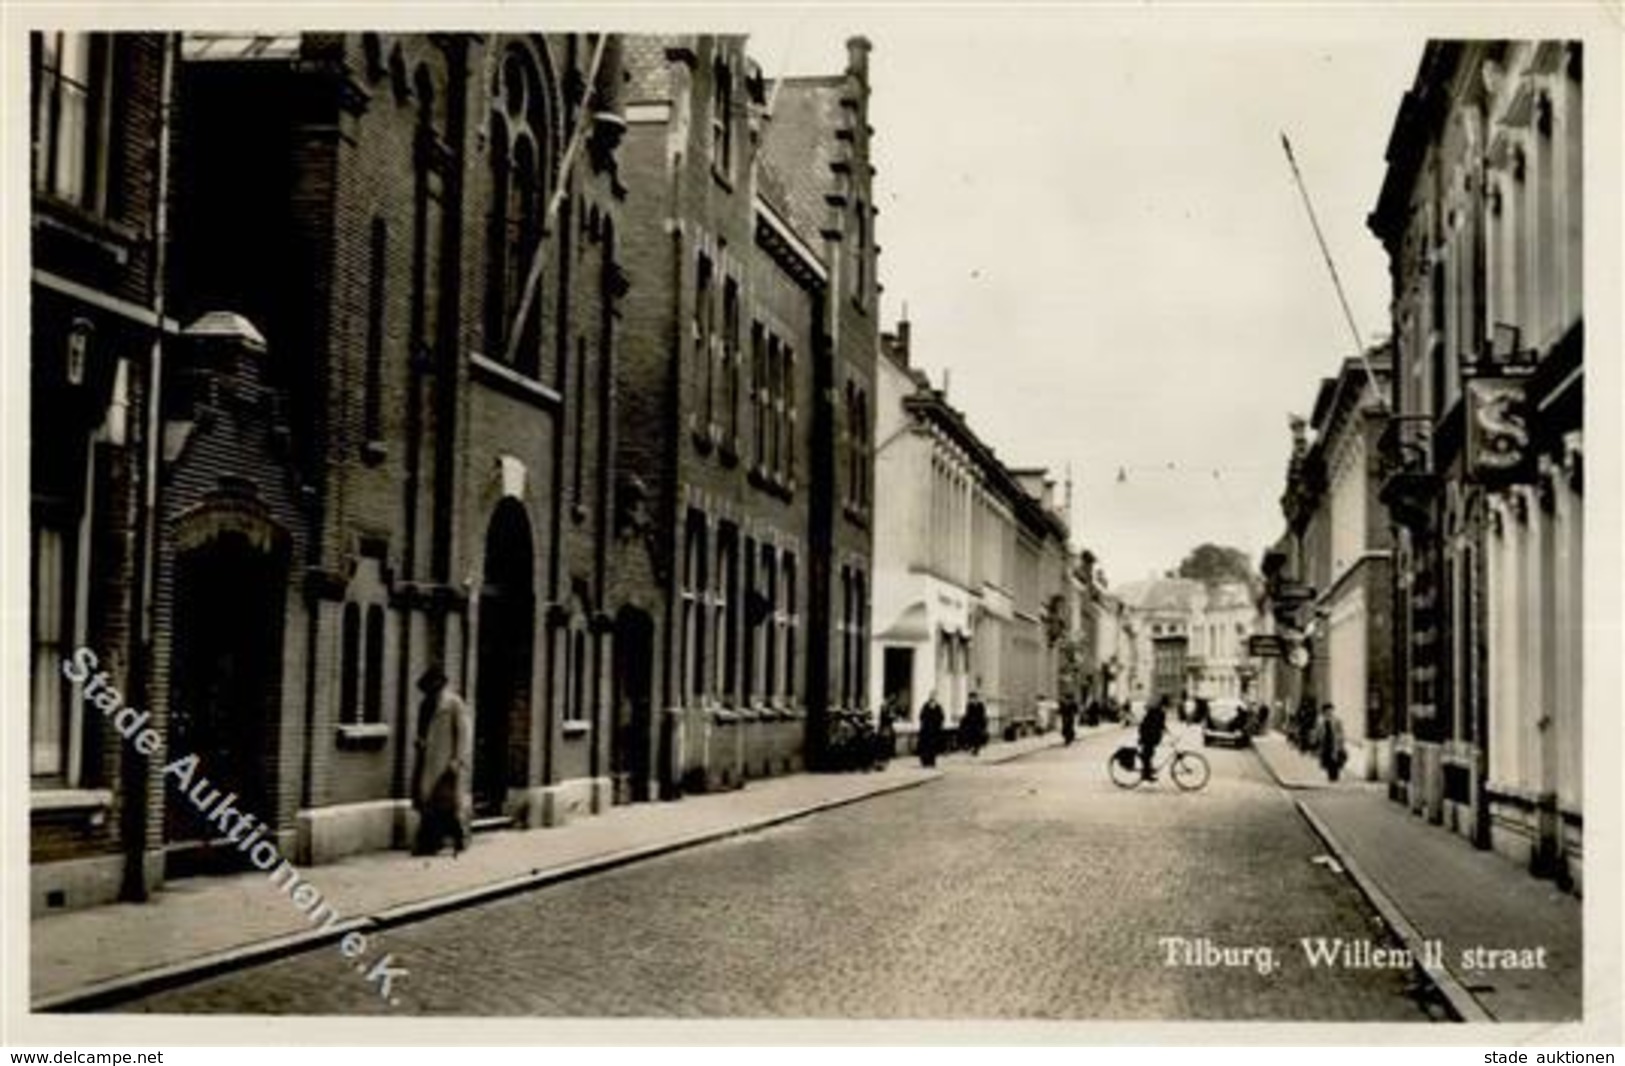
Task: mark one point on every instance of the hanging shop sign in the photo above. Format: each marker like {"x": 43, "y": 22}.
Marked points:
{"x": 1498, "y": 451}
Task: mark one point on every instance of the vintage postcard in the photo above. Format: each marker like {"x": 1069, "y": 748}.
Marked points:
{"x": 1095, "y": 521}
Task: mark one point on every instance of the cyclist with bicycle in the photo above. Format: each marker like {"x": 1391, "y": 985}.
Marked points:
{"x": 1152, "y": 727}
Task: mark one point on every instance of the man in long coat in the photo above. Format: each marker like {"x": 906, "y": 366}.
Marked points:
{"x": 443, "y": 787}
{"x": 930, "y": 739}
{"x": 973, "y": 726}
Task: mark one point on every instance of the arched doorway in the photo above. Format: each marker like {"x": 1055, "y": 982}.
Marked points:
{"x": 506, "y": 630}
{"x": 631, "y": 757}
{"x": 225, "y": 689}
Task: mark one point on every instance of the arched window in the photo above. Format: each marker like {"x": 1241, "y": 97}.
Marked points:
{"x": 520, "y": 168}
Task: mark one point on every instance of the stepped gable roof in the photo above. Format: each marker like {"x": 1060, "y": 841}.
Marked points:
{"x": 799, "y": 147}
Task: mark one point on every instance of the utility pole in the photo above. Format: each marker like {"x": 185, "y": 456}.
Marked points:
{"x": 1337, "y": 283}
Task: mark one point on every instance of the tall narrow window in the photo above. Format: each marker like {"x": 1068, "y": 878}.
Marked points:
{"x": 48, "y": 734}
{"x": 758, "y": 392}
{"x": 722, "y": 118}
{"x": 791, "y": 419}
{"x": 770, "y": 582}
{"x": 519, "y": 167}
{"x": 372, "y": 708}
{"x": 372, "y": 396}
{"x": 693, "y": 601}
{"x": 730, "y": 358}
{"x": 350, "y": 665}
{"x": 704, "y": 363}
{"x": 792, "y": 634}
{"x": 728, "y": 540}
{"x": 775, "y": 404}
{"x": 580, "y": 682}
{"x": 752, "y": 624}
{"x": 67, "y": 131}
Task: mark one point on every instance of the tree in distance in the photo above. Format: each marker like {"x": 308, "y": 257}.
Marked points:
{"x": 1214, "y": 564}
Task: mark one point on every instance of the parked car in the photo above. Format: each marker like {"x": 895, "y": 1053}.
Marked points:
{"x": 1229, "y": 723}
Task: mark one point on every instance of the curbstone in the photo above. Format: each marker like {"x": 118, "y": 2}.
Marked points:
{"x": 1461, "y": 1003}
{"x": 112, "y": 991}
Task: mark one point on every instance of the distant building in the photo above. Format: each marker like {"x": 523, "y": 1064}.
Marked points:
{"x": 970, "y": 559}
{"x": 1481, "y": 214}
{"x": 1330, "y": 575}
{"x": 1190, "y": 638}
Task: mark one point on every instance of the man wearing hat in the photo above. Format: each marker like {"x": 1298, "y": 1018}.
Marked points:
{"x": 443, "y": 788}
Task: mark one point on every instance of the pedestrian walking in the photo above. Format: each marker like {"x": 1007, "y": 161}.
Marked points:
{"x": 973, "y": 726}
{"x": 930, "y": 737}
{"x": 886, "y": 732}
{"x": 1333, "y": 753}
{"x": 1152, "y": 726}
{"x": 1069, "y": 719}
{"x": 443, "y": 785}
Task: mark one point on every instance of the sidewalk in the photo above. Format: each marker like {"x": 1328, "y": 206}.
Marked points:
{"x": 196, "y": 927}
{"x": 1430, "y": 884}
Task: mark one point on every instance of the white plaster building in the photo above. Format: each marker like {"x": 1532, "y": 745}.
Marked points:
{"x": 970, "y": 561}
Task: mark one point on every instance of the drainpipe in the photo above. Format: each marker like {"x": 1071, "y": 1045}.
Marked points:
{"x": 133, "y": 780}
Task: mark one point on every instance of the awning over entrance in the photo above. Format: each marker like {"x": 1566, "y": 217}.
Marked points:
{"x": 912, "y": 626}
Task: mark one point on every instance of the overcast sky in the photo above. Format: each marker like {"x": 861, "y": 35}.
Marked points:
{"x": 1097, "y": 235}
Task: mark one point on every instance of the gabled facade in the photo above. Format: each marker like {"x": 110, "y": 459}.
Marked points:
{"x": 751, "y": 320}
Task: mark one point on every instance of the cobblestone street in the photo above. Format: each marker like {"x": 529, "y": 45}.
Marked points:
{"x": 1033, "y": 889}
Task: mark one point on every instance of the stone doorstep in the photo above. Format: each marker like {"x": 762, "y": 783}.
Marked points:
{"x": 155, "y": 974}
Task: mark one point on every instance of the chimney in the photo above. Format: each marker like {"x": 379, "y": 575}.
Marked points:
{"x": 857, "y": 57}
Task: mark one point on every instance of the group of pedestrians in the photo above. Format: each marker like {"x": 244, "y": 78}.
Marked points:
{"x": 933, "y": 735}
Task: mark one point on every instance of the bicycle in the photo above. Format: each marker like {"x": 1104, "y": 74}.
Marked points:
{"x": 1189, "y": 769}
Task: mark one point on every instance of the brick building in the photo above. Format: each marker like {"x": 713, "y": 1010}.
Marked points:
{"x": 99, "y": 330}
{"x": 1481, "y": 215}
{"x": 744, "y": 422}
{"x": 374, "y": 451}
